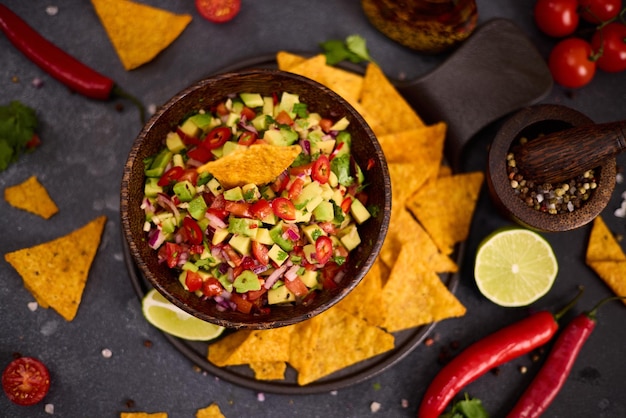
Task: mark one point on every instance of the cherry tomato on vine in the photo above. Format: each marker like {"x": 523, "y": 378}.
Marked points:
{"x": 218, "y": 11}
{"x": 570, "y": 63}
{"x": 610, "y": 44}
{"x": 26, "y": 381}
{"x": 596, "y": 11}
{"x": 556, "y": 18}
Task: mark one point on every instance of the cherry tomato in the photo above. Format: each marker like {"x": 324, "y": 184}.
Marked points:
{"x": 193, "y": 232}
{"x": 247, "y": 138}
{"x": 610, "y": 42}
{"x": 26, "y": 381}
{"x": 193, "y": 281}
{"x": 191, "y": 175}
{"x": 596, "y": 11}
{"x": 261, "y": 209}
{"x": 241, "y": 209}
{"x": 200, "y": 154}
{"x": 260, "y": 252}
{"x": 323, "y": 249}
{"x": 284, "y": 209}
{"x": 170, "y": 176}
{"x": 556, "y": 18}
{"x": 212, "y": 287}
{"x": 216, "y": 137}
{"x": 570, "y": 63}
{"x": 321, "y": 169}
{"x": 218, "y": 11}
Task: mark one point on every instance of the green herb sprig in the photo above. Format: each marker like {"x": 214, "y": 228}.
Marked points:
{"x": 18, "y": 123}
{"x": 353, "y": 49}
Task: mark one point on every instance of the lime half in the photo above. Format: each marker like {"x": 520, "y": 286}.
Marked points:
{"x": 515, "y": 267}
{"x": 171, "y": 319}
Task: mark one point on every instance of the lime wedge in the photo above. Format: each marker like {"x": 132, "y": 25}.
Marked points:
{"x": 171, "y": 319}
{"x": 515, "y": 267}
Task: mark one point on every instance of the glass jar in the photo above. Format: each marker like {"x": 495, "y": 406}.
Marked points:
{"x": 429, "y": 26}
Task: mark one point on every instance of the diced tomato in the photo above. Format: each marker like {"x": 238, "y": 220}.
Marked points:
{"x": 241, "y": 209}
{"x": 321, "y": 170}
{"x": 247, "y": 113}
{"x": 242, "y": 305}
{"x": 200, "y": 154}
{"x": 216, "y": 137}
{"x": 212, "y": 287}
{"x": 275, "y": 98}
{"x": 329, "y": 271}
{"x": 232, "y": 255}
{"x": 323, "y": 249}
{"x": 326, "y": 124}
{"x": 170, "y": 252}
{"x": 261, "y": 209}
{"x": 221, "y": 109}
{"x": 328, "y": 227}
{"x": 346, "y": 203}
{"x": 247, "y": 138}
{"x": 297, "y": 287}
{"x": 218, "y": 11}
{"x": 370, "y": 163}
{"x": 192, "y": 231}
{"x": 296, "y": 188}
{"x": 196, "y": 249}
{"x": 260, "y": 252}
{"x": 171, "y": 176}
{"x": 280, "y": 183}
{"x": 220, "y": 213}
{"x": 193, "y": 281}
{"x": 256, "y": 294}
{"x": 303, "y": 169}
{"x": 190, "y": 174}
{"x": 284, "y": 209}
{"x": 283, "y": 118}
{"x": 26, "y": 381}
{"x": 187, "y": 139}
{"x": 219, "y": 202}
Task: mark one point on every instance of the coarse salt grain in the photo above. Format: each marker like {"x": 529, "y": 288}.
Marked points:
{"x": 49, "y": 408}
{"x": 33, "y": 306}
{"x": 106, "y": 353}
{"x": 334, "y": 392}
{"x": 52, "y": 10}
{"x": 375, "y": 407}
{"x": 260, "y": 397}
{"x": 404, "y": 403}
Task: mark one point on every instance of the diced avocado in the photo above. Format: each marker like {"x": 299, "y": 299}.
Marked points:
{"x": 232, "y": 119}
{"x": 159, "y": 163}
{"x": 260, "y": 122}
{"x": 267, "y": 193}
{"x": 340, "y": 125}
{"x": 309, "y": 278}
{"x": 197, "y": 207}
{"x": 277, "y": 236}
{"x": 323, "y": 147}
{"x": 151, "y": 188}
{"x": 174, "y": 142}
{"x": 237, "y": 106}
{"x": 327, "y": 191}
{"x": 280, "y": 294}
{"x": 219, "y": 235}
{"x": 309, "y": 253}
{"x": 268, "y": 105}
{"x": 252, "y": 99}
{"x": 313, "y": 232}
{"x": 250, "y": 192}
{"x": 241, "y": 244}
{"x": 168, "y": 224}
{"x": 270, "y": 219}
{"x": 302, "y": 217}
{"x": 310, "y": 191}
{"x": 359, "y": 212}
{"x": 190, "y": 128}
{"x": 280, "y": 137}
{"x": 184, "y": 190}
{"x": 313, "y": 203}
{"x": 229, "y": 147}
{"x": 263, "y": 236}
{"x": 215, "y": 187}
{"x": 202, "y": 120}
{"x": 277, "y": 254}
{"x": 314, "y": 119}
{"x": 290, "y": 136}
{"x": 324, "y": 211}
{"x": 247, "y": 281}
{"x": 350, "y": 237}
{"x": 243, "y": 226}
{"x": 337, "y": 197}
{"x": 333, "y": 181}
{"x": 287, "y": 100}
{"x": 343, "y": 143}
{"x": 235, "y": 194}
{"x": 177, "y": 160}
{"x": 190, "y": 266}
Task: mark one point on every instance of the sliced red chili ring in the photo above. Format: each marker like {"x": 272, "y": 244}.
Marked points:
{"x": 247, "y": 138}
{"x": 216, "y": 137}
{"x": 284, "y": 209}
{"x": 321, "y": 170}
{"x": 193, "y": 232}
{"x": 170, "y": 176}
{"x": 323, "y": 249}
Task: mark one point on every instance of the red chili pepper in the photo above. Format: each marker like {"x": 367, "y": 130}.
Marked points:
{"x": 557, "y": 367}
{"x": 498, "y": 348}
{"x": 56, "y": 62}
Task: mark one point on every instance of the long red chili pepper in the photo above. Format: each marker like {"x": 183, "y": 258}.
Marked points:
{"x": 56, "y": 62}
{"x": 557, "y": 367}
{"x": 498, "y": 348}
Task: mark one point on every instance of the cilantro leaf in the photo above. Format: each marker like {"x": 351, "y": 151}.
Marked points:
{"x": 467, "y": 408}
{"x": 17, "y": 126}
{"x": 357, "y": 45}
{"x": 353, "y": 49}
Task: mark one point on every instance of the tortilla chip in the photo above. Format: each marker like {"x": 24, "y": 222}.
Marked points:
{"x": 365, "y": 300}
{"x": 31, "y": 196}
{"x": 250, "y": 346}
{"x": 380, "y": 97}
{"x": 613, "y": 273}
{"x": 602, "y": 244}
{"x": 137, "y": 31}
{"x": 143, "y": 415}
{"x": 211, "y": 411}
{"x": 56, "y": 272}
{"x": 341, "y": 341}
{"x": 269, "y": 370}
{"x": 257, "y": 164}
{"x": 415, "y": 295}
{"x": 287, "y": 60}
{"x": 424, "y": 143}
{"x": 302, "y": 339}
{"x": 445, "y": 207}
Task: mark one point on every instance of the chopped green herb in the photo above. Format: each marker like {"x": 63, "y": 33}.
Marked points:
{"x": 353, "y": 49}
{"x": 339, "y": 260}
{"x": 17, "y": 128}
{"x": 467, "y": 408}
{"x": 300, "y": 110}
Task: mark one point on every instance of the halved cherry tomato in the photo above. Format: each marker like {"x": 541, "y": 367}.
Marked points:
{"x": 26, "y": 381}
{"x": 261, "y": 209}
{"x": 218, "y": 11}
{"x": 193, "y": 281}
{"x": 260, "y": 252}
{"x": 284, "y": 209}
{"x": 256, "y": 294}
{"x": 170, "y": 252}
{"x": 326, "y": 124}
{"x": 247, "y": 113}
{"x": 200, "y": 154}
{"x": 216, "y": 137}
{"x": 192, "y": 231}
{"x": 247, "y": 138}
{"x": 321, "y": 170}
{"x": 212, "y": 287}
{"x": 241, "y": 209}
{"x": 191, "y": 175}
{"x": 297, "y": 287}
{"x": 170, "y": 176}
{"x": 283, "y": 118}
{"x": 242, "y": 305}
{"x": 323, "y": 249}
{"x": 296, "y": 188}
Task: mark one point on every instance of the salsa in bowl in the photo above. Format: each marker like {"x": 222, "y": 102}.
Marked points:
{"x": 255, "y": 199}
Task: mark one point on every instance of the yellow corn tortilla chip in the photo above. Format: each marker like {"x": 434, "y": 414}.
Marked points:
{"x": 257, "y": 164}
{"x": 602, "y": 244}
{"x": 445, "y": 207}
{"x": 287, "y": 60}
{"x": 380, "y": 97}
{"x": 31, "y": 196}
{"x": 342, "y": 340}
{"x": 250, "y": 346}
{"x": 56, "y": 272}
{"x": 424, "y": 143}
{"x": 613, "y": 273}
{"x": 365, "y": 300}
{"x": 211, "y": 411}
{"x": 414, "y": 295}
{"x": 302, "y": 339}
{"x": 137, "y": 31}
{"x": 143, "y": 415}
{"x": 269, "y": 370}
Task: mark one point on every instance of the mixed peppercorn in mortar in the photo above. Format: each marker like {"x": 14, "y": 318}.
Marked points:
{"x": 248, "y": 246}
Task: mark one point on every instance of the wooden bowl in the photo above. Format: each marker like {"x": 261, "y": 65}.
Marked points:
{"x": 202, "y": 94}
{"x": 530, "y": 122}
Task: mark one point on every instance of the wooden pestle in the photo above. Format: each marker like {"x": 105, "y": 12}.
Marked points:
{"x": 563, "y": 155}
